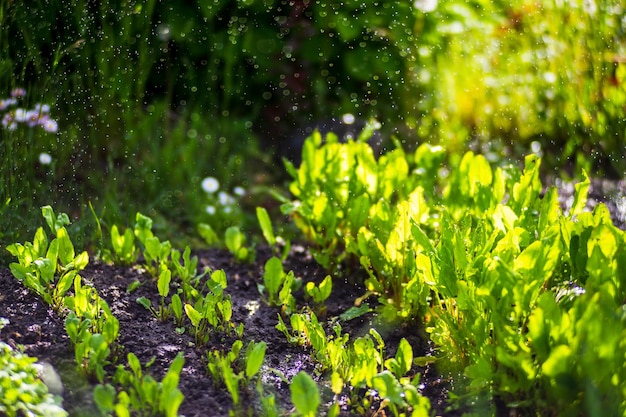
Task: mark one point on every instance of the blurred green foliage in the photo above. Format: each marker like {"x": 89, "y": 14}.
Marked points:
{"x": 152, "y": 97}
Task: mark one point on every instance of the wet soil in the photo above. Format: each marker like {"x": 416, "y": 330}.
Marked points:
{"x": 41, "y": 333}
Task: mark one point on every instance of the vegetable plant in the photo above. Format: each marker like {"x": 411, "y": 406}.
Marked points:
{"x": 278, "y": 285}
{"x": 319, "y": 293}
{"x": 163, "y": 285}
{"x": 187, "y": 271}
{"x": 268, "y": 233}
{"x": 154, "y": 252}
{"x": 235, "y": 241}
{"x": 213, "y": 311}
{"x": 234, "y": 371}
{"x": 141, "y": 394}
{"x": 124, "y": 250}
{"x": 48, "y": 268}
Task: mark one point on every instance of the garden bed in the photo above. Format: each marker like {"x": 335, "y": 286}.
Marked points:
{"x": 41, "y": 332}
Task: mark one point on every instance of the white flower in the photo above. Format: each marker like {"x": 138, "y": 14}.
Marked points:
{"x": 210, "y": 210}
{"x": 348, "y": 118}
{"x": 45, "y": 158}
{"x": 50, "y": 125}
{"x": 225, "y": 199}
{"x": 425, "y": 6}
{"x": 21, "y": 115}
{"x": 210, "y": 185}
{"x": 240, "y": 191}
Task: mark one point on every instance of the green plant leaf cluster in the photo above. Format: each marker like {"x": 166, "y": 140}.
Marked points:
{"x": 21, "y": 390}
{"x": 278, "y": 286}
{"x": 505, "y": 282}
{"x": 233, "y": 370}
{"x": 93, "y": 329}
{"x": 357, "y": 364}
{"x": 142, "y": 393}
{"x": 213, "y": 311}
{"x": 48, "y": 268}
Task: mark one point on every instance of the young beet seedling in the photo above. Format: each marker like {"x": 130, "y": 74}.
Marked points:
{"x": 124, "y": 250}
{"x": 268, "y": 233}
{"x": 235, "y": 241}
{"x": 320, "y": 293}
{"x": 227, "y": 367}
{"x": 278, "y": 285}
{"x": 163, "y": 285}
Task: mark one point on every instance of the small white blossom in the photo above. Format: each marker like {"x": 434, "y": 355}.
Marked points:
{"x": 50, "y": 125}
{"x": 210, "y": 210}
{"x": 210, "y": 185}
{"x": 348, "y": 118}
{"x": 45, "y": 158}
{"x": 21, "y": 115}
{"x": 240, "y": 191}
{"x": 225, "y": 199}
{"x": 425, "y": 6}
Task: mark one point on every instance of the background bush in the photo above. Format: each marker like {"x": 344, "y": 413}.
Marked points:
{"x": 152, "y": 97}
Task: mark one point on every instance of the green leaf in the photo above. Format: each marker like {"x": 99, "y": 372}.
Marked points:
{"x": 163, "y": 284}
{"x": 388, "y": 387}
{"x": 143, "y": 227}
{"x": 559, "y": 362}
{"x": 234, "y": 239}
{"x": 581, "y": 190}
{"x": 54, "y": 222}
{"x": 254, "y": 358}
{"x": 66, "y": 248}
{"x": 304, "y": 394}
{"x": 273, "y": 276}
{"x": 266, "y": 225}
{"x": 208, "y": 234}
{"x": 402, "y": 362}
{"x": 104, "y": 396}
{"x": 193, "y": 314}
{"x": 145, "y": 302}
{"x": 177, "y": 306}
{"x": 354, "y": 312}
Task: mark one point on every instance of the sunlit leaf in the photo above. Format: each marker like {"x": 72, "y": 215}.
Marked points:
{"x": 304, "y": 394}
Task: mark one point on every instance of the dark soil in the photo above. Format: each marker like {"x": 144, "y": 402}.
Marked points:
{"x": 41, "y": 333}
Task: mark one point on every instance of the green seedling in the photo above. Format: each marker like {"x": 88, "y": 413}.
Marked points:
{"x": 187, "y": 271}
{"x": 320, "y": 293}
{"x": 305, "y": 394}
{"x": 229, "y": 368}
{"x": 86, "y": 304}
{"x": 23, "y": 392}
{"x": 91, "y": 350}
{"x": 141, "y": 394}
{"x": 177, "y": 310}
{"x": 163, "y": 285}
{"x": 213, "y": 312}
{"x": 48, "y": 269}
{"x": 278, "y": 285}
{"x": 235, "y": 242}
{"x": 155, "y": 252}
{"x": 124, "y": 250}
{"x": 268, "y": 233}
{"x": 208, "y": 234}
{"x": 54, "y": 222}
